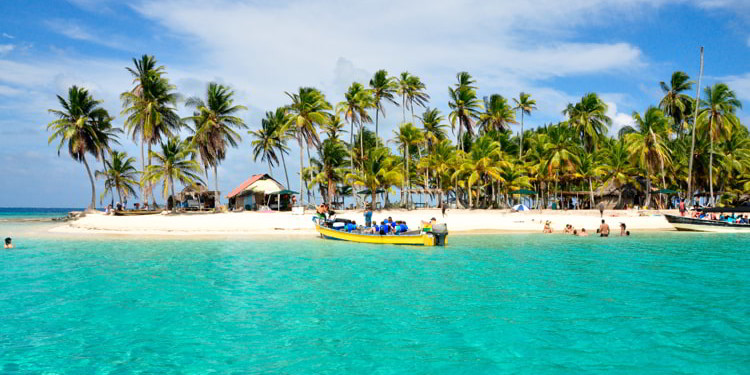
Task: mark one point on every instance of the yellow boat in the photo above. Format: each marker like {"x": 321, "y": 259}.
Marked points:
{"x": 436, "y": 238}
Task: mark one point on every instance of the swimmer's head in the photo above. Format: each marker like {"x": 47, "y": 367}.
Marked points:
{"x": 7, "y": 240}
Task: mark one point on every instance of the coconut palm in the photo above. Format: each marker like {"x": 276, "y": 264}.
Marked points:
{"x": 307, "y": 111}
{"x": 216, "y": 122}
{"x": 589, "y": 119}
{"x": 515, "y": 177}
{"x": 357, "y": 100}
{"x": 334, "y": 127}
{"x": 482, "y": 164}
{"x": 498, "y": 115}
{"x": 412, "y": 90}
{"x": 406, "y": 137}
{"x": 82, "y": 126}
{"x": 120, "y": 175}
{"x": 561, "y": 151}
{"x": 332, "y": 156}
{"x": 150, "y": 107}
{"x": 717, "y": 118}
{"x": 379, "y": 171}
{"x": 265, "y": 145}
{"x": 433, "y": 128}
{"x": 174, "y": 162}
{"x": 648, "y": 145}
{"x": 675, "y": 104}
{"x": 384, "y": 89}
{"x": 617, "y": 167}
{"x": 588, "y": 169}
{"x": 282, "y": 132}
{"x": 464, "y": 105}
{"x": 525, "y": 104}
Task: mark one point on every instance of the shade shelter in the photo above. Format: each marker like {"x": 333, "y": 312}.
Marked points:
{"x": 251, "y": 194}
{"x": 283, "y": 199}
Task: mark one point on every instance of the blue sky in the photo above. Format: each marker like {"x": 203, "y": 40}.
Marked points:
{"x": 556, "y": 50}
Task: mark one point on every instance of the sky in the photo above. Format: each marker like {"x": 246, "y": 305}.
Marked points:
{"x": 556, "y": 50}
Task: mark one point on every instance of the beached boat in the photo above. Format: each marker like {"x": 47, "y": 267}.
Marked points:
{"x": 137, "y": 212}
{"x": 683, "y": 223}
{"x": 435, "y": 238}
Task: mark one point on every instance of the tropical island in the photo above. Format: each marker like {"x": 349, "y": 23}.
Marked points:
{"x": 679, "y": 145}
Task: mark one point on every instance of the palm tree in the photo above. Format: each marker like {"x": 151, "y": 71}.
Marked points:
{"x": 483, "y": 162}
{"x": 406, "y": 137}
{"x": 525, "y": 104}
{"x": 265, "y": 144}
{"x": 357, "y": 100}
{"x": 174, "y": 162}
{"x": 383, "y": 89}
{"x": 216, "y": 122}
{"x": 674, "y": 103}
{"x": 589, "y": 118}
{"x": 379, "y": 171}
{"x": 588, "y": 169}
{"x": 617, "y": 168}
{"x": 498, "y": 114}
{"x": 332, "y": 154}
{"x": 412, "y": 90}
{"x": 433, "y": 127}
{"x": 561, "y": 152}
{"x": 717, "y": 118}
{"x": 80, "y": 126}
{"x": 278, "y": 120}
{"x": 145, "y": 71}
{"x": 647, "y": 146}
{"x": 120, "y": 175}
{"x": 515, "y": 177}
{"x": 308, "y": 110}
{"x": 150, "y": 107}
{"x": 464, "y": 104}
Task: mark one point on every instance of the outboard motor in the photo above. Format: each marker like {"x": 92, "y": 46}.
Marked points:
{"x": 440, "y": 231}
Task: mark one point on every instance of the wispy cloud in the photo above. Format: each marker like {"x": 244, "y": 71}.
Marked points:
{"x": 8, "y": 36}
{"x": 77, "y": 30}
{"x": 6, "y": 48}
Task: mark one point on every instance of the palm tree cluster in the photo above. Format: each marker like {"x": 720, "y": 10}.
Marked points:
{"x": 150, "y": 112}
{"x": 487, "y": 166}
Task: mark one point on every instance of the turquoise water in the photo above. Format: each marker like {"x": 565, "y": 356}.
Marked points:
{"x": 531, "y": 304}
{"x": 22, "y": 213}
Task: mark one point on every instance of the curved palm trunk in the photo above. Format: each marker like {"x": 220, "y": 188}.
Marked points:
{"x": 171, "y": 189}
{"x": 92, "y": 205}
{"x": 403, "y": 107}
{"x": 471, "y": 206}
{"x": 217, "y": 198}
{"x": 377, "y": 111}
{"x": 408, "y": 182}
{"x": 648, "y": 186}
{"x": 301, "y": 165}
{"x": 460, "y": 134}
{"x": 520, "y": 141}
{"x": 309, "y": 162}
{"x": 331, "y": 189}
{"x": 286, "y": 174}
{"x": 361, "y": 142}
{"x": 374, "y": 199}
{"x": 711, "y": 166}
{"x": 150, "y": 187}
{"x": 119, "y": 195}
{"x": 591, "y": 193}
{"x": 144, "y": 194}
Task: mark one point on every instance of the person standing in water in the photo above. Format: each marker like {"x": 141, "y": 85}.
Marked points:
{"x": 8, "y": 243}
{"x": 604, "y": 229}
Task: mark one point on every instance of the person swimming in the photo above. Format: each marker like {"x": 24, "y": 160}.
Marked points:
{"x": 8, "y": 243}
{"x": 623, "y": 229}
{"x": 583, "y": 233}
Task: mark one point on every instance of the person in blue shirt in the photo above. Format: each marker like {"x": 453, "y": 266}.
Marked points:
{"x": 368, "y": 217}
{"x": 351, "y": 226}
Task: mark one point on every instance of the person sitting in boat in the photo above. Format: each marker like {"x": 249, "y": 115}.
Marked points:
{"x": 399, "y": 227}
{"x": 321, "y": 211}
{"x": 350, "y": 226}
{"x": 427, "y": 225}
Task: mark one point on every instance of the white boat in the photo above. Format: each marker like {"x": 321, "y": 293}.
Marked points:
{"x": 683, "y": 223}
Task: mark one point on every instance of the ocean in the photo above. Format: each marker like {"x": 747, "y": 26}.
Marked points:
{"x": 651, "y": 303}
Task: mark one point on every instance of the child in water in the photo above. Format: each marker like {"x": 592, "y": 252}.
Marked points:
{"x": 8, "y": 243}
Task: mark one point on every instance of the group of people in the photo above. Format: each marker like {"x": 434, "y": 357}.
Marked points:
{"x": 732, "y": 219}
{"x": 603, "y": 230}
{"x": 386, "y": 226}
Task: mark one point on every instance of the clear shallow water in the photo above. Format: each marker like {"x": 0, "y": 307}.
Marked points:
{"x": 654, "y": 303}
{"x": 25, "y": 213}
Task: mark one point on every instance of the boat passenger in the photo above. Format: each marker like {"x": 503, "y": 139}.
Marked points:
{"x": 427, "y": 225}
{"x": 682, "y": 207}
{"x": 604, "y": 229}
{"x": 350, "y": 226}
{"x": 8, "y": 243}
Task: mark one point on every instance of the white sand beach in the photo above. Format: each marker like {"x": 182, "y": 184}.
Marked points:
{"x": 288, "y": 224}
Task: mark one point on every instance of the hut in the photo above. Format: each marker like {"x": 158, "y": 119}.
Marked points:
{"x": 194, "y": 197}
{"x": 258, "y": 191}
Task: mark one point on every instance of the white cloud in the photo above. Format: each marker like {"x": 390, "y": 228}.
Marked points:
{"x": 6, "y": 48}
{"x": 740, "y": 84}
{"x": 8, "y": 36}
{"x": 619, "y": 120}
{"x": 77, "y": 30}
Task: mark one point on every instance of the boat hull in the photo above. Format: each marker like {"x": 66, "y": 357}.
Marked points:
{"x": 423, "y": 239}
{"x": 690, "y": 224}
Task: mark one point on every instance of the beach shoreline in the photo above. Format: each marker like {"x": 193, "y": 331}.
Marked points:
{"x": 286, "y": 224}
